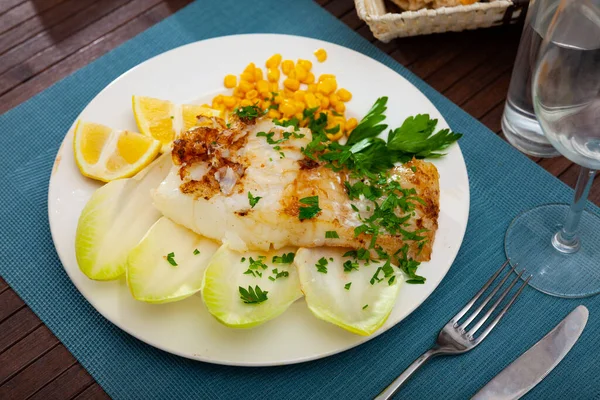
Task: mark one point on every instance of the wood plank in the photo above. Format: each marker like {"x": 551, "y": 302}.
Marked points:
{"x": 47, "y": 24}
{"x": 3, "y": 285}
{"x": 67, "y": 385}
{"x": 10, "y": 303}
{"x": 38, "y": 374}
{"x": 351, "y": 19}
{"x": 570, "y": 175}
{"x": 94, "y": 392}
{"x": 493, "y": 118}
{"x": 23, "y": 12}
{"x": 6, "y": 5}
{"x": 339, "y": 7}
{"x": 556, "y": 165}
{"x": 89, "y": 53}
{"x": 485, "y": 100}
{"x": 478, "y": 79}
{"x": 17, "y": 326}
{"x": 31, "y": 66}
{"x": 26, "y": 351}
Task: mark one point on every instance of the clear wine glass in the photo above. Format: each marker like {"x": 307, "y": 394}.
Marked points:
{"x": 560, "y": 244}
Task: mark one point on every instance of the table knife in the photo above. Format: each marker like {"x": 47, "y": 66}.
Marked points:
{"x": 532, "y": 366}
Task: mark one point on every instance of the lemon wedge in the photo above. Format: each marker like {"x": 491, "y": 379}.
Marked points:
{"x": 107, "y": 154}
{"x": 164, "y": 120}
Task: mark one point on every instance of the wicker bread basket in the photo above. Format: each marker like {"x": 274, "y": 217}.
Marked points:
{"x": 386, "y": 26}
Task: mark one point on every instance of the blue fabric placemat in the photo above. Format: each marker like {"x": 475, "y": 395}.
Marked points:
{"x": 503, "y": 183}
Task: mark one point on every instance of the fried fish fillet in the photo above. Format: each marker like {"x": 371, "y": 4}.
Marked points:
{"x": 218, "y": 170}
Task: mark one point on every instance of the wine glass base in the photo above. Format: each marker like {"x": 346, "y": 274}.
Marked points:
{"x": 528, "y": 243}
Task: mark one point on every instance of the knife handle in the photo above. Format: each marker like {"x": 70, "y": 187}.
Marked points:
{"x": 393, "y": 387}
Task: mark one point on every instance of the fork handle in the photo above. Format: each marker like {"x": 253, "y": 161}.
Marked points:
{"x": 389, "y": 391}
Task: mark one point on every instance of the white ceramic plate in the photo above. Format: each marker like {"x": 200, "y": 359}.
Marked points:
{"x": 194, "y": 73}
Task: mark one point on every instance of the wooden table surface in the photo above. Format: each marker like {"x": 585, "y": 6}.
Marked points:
{"x": 42, "y": 41}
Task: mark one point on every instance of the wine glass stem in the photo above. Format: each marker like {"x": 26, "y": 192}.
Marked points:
{"x": 566, "y": 239}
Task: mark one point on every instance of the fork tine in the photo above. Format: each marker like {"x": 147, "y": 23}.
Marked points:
{"x": 493, "y": 324}
{"x": 468, "y": 306}
{"x": 487, "y": 300}
{"x": 491, "y": 310}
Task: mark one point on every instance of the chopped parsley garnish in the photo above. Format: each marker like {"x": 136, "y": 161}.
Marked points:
{"x": 413, "y": 168}
{"x": 322, "y": 265}
{"x": 253, "y": 200}
{"x": 365, "y": 306}
{"x": 408, "y": 266}
{"x": 388, "y": 272}
{"x": 347, "y": 285}
{"x": 243, "y": 259}
{"x": 253, "y": 296}
{"x": 255, "y": 266}
{"x": 350, "y": 266}
{"x": 311, "y": 208}
{"x": 248, "y": 113}
{"x": 171, "y": 259}
{"x": 196, "y": 252}
{"x": 286, "y": 258}
{"x": 331, "y": 235}
{"x": 279, "y": 274}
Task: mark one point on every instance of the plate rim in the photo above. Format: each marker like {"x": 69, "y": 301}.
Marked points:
{"x": 207, "y": 359}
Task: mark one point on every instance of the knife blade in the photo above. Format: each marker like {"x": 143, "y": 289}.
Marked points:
{"x": 535, "y": 364}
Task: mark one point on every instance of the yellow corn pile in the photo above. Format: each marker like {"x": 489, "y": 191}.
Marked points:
{"x": 300, "y": 90}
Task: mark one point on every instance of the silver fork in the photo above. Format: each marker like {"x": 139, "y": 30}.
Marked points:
{"x": 454, "y": 338}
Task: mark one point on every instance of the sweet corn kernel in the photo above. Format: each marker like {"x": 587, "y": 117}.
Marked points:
{"x": 311, "y": 101}
{"x": 344, "y": 95}
{"x": 301, "y": 73}
{"x": 299, "y": 116}
{"x": 262, "y": 86}
{"x": 215, "y": 104}
{"x": 325, "y": 103}
{"x": 273, "y": 61}
{"x": 326, "y": 76}
{"x": 300, "y": 106}
{"x": 334, "y": 99}
{"x": 312, "y": 87}
{"x": 299, "y": 95}
{"x": 287, "y": 108}
{"x": 310, "y": 78}
{"x": 292, "y": 74}
{"x": 340, "y": 107}
{"x": 239, "y": 93}
{"x": 351, "y": 124}
{"x": 291, "y": 84}
{"x": 338, "y": 121}
{"x": 251, "y": 94}
{"x": 250, "y": 68}
{"x": 273, "y": 86}
{"x": 229, "y": 101}
{"x": 335, "y": 136}
{"x": 277, "y": 99}
{"x": 305, "y": 63}
{"x": 265, "y": 95}
{"x": 218, "y": 99}
{"x": 258, "y": 74}
{"x": 221, "y": 109}
{"x": 321, "y": 55}
{"x": 247, "y": 76}
{"x": 273, "y": 74}
{"x": 327, "y": 86}
{"x": 287, "y": 66}
{"x": 274, "y": 114}
{"x": 230, "y": 81}
{"x": 205, "y": 105}
{"x": 265, "y": 104}
{"x": 246, "y": 102}
{"x": 245, "y": 86}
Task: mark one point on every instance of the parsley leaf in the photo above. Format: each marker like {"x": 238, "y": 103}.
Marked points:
{"x": 350, "y": 265}
{"x": 253, "y": 200}
{"x": 312, "y": 208}
{"x": 171, "y": 259}
{"x": 369, "y": 126}
{"x": 286, "y": 258}
{"x": 196, "y": 252}
{"x": 253, "y": 296}
{"x": 331, "y": 235}
{"x": 415, "y": 137}
{"x": 248, "y": 113}
{"x": 347, "y": 285}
